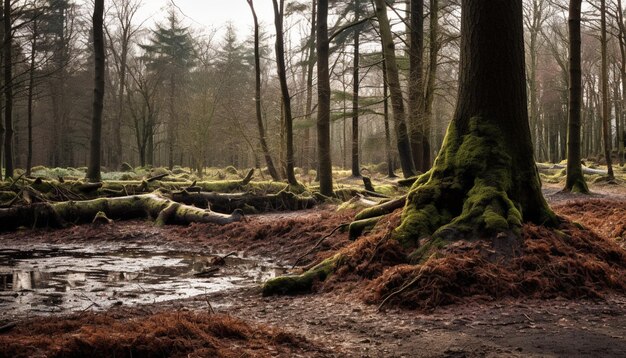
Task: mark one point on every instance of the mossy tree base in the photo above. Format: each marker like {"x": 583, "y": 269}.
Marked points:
{"x": 154, "y": 206}
{"x": 474, "y": 190}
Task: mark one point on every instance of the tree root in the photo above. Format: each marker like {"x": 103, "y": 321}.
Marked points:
{"x": 318, "y": 244}
{"x": 293, "y": 285}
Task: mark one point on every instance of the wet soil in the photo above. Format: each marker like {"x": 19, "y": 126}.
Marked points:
{"x": 339, "y": 323}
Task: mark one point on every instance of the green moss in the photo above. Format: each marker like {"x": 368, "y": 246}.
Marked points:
{"x": 303, "y": 283}
{"x": 466, "y": 193}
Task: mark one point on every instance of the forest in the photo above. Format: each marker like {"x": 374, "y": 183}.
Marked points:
{"x": 312, "y": 178}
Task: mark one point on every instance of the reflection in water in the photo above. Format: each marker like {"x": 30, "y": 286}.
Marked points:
{"x": 68, "y": 280}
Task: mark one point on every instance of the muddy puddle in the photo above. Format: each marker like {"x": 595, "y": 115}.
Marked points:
{"x": 57, "y": 279}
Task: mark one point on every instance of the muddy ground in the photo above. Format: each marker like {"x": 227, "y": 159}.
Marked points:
{"x": 338, "y": 323}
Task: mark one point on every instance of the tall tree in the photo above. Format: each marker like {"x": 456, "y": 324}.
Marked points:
{"x": 355, "y": 94}
{"x": 93, "y": 172}
{"x": 575, "y": 181}
{"x": 606, "y": 111}
{"x": 484, "y": 180}
{"x": 257, "y": 97}
{"x": 419, "y": 141}
{"x": 429, "y": 96}
{"x": 397, "y": 101}
{"x": 8, "y": 89}
{"x": 325, "y": 171}
{"x": 279, "y": 7}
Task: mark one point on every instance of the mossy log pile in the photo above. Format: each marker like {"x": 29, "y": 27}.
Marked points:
{"x": 154, "y": 206}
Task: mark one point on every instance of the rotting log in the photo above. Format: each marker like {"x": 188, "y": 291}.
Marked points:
{"x": 228, "y": 202}
{"x": 153, "y": 205}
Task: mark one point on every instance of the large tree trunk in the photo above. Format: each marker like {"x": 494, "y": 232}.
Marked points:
{"x": 325, "y": 171}
{"x": 397, "y": 101}
{"x": 575, "y": 180}
{"x": 257, "y": 98}
{"x": 485, "y": 180}
{"x": 284, "y": 88}
{"x": 93, "y": 172}
{"x": 8, "y": 91}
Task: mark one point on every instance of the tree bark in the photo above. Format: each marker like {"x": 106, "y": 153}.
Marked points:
{"x": 284, "y": 88}
{"x": 93, "y": 172}
{"x": 397, "y": 101}
{"x": 325, "y": 171}
{"x": 575, "y": 180}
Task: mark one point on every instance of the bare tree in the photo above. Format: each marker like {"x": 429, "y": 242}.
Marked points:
{"x": 282, "y": 76}
{"x": 257, "y": 97}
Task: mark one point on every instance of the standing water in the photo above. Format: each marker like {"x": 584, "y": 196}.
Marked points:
{"x": 59, "y": 279}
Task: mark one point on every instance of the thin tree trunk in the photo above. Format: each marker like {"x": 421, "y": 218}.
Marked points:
{"x": 355, "y": 97}
{"x": 433, "y": 56}
{"x": 282, "y": 76}
{"x": 390, "y": 167}
{"x": 31, "y": 88}
{"x": 605, "y": 93}
{"x": 325, "y": 171}
{"x": 8, "y": 91}
{"x": 257, "y": 97}
{"x": 397, "y": 102}
{"x": 575, "y": 180}
{"x": 309, "y": 87}
{"x": 93, "y": 172}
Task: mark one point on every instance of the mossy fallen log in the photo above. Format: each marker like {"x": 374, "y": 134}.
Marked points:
{"x": 154, "y": 206}
{"x": 227, "y": 202}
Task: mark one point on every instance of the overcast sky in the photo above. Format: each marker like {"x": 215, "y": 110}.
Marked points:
{"x": 210, "y": 13}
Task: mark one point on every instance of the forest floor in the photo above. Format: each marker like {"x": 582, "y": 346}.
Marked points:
{"x": 334, "y": 323}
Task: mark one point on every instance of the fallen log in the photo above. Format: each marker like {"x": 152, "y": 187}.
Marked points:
{"x": 155, "y": 206}
{"x": 228, "y": 202}
{"x": 588, "y": 171}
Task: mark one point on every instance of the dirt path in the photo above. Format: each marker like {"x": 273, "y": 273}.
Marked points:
{"x": 340, "y": 323}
